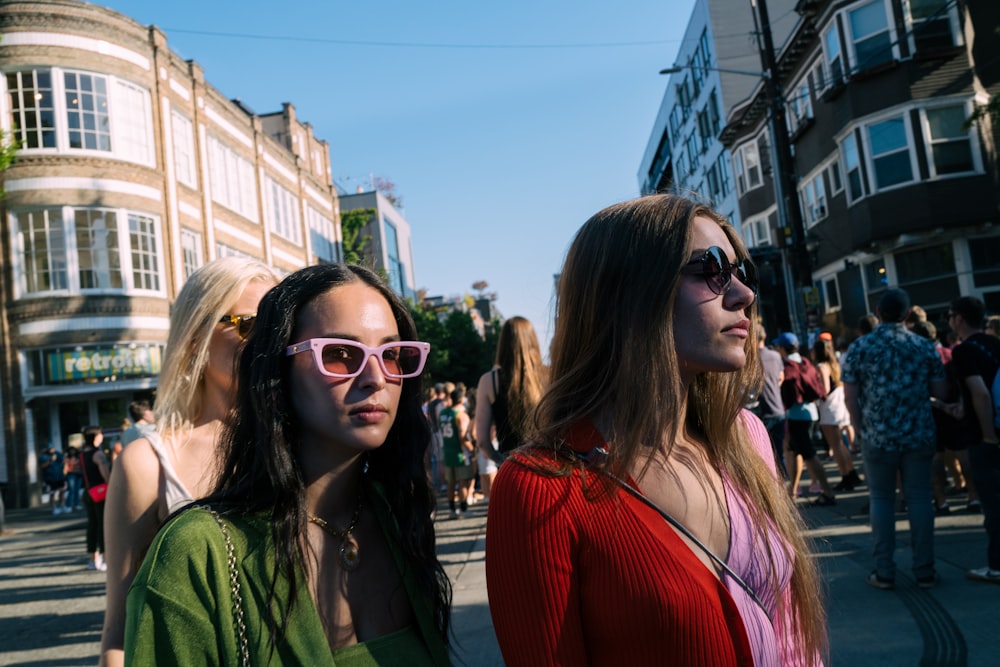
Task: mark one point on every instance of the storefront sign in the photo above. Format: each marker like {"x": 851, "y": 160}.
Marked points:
{"x": 84, "y": 364}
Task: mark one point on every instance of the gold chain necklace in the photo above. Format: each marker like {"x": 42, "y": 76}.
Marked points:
{"x": 348, "y": 555}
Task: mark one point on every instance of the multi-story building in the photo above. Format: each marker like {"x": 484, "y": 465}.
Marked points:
{"x": 132, "y": 171}
{"x": 897, "y": 186}
{"x": 389, "y": 248}
{"x": 683, "y": 154}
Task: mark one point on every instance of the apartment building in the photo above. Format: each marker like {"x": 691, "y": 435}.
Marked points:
{"x": 717, "y": 65}
{"x": 897, "y": 186}
{"x": 132, "y": 172}
{"x": 389, "y": 248}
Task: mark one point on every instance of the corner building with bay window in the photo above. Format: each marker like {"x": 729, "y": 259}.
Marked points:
{"x": 131, "y": 172}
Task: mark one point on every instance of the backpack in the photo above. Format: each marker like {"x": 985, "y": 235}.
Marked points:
{"x": 802, "y": 383}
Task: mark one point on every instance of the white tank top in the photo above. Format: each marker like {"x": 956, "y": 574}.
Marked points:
{"x": 176, "y": 494}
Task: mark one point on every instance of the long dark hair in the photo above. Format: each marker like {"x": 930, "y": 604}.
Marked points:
{"x": 260, "y": 469}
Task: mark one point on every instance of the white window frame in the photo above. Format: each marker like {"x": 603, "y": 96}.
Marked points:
{"x": 191, "y": 252}
{"x": 833, "y": 61}
{"x": 852, "y": 40}
{"x": 183, "y": 141}
{"x": 129, "y": 114}
{"x": 847, "y": 144}
{"x": 798, "y": 104}
{"x": 910, "y": 148}
{"x": 322, "y": 227}
{"x": 912, "y": 26}
{"x": 929, "y": 142}
{"x": 746, "y": 162}
{"x": 812, "y": 194}
{"x": 826, "y": 282}
{"x": 232, "y": 180}
{"x": 835, "y": 176}
{"x": 129, "y": 271}
{"x": 757, "y": 229}
{"x": 282, "y": 208}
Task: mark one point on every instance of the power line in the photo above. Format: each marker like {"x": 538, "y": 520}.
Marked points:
{"x": 415, "y": 45}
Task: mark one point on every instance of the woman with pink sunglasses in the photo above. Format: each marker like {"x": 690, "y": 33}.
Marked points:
{"x": 644, "y": 522}
{"x": 316, "y": 546}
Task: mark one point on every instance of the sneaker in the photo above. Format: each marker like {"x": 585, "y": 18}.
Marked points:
{"x": 56, "y": 511}
{"x": 815, "y": 488}
{"x": 942, "y": 509}
{"x": 100, "y": 566}
{"x": 974, "y": 507}
{"x": 984, "y": 574}
{"x": 878, "y": 582}
{"x": 453, "y": 514}
{"x": 928, "y": 582}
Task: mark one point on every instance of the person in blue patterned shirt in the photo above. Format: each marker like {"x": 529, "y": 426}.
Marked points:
{"x": 889, "y": 377}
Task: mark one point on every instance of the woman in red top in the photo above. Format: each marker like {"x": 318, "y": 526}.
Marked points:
{"x": 645, "y": 523}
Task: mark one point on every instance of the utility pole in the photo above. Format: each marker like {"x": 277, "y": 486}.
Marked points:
{"x": 796, "y": 255}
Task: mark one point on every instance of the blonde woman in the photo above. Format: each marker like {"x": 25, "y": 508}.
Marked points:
{"x": 834, "y": 419}
{"x": 645, "y": 523}
{"x": 177, "y": 463}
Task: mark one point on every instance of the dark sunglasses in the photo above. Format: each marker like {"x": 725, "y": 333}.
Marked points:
{"x": 243, "y": 323}
{"x": 718, "y": 272}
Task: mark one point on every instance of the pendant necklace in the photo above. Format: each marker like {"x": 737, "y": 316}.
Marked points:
{"x": 348, "y": 556}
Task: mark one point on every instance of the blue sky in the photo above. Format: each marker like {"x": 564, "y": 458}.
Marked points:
{"x": 503, "y": 125}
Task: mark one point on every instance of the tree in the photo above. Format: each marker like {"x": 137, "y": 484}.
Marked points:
{"x": 8, "y": 150}
{"x": 352, "y": 223}
{"x": 458, "y": 352}
{"x": 387, "y": 189}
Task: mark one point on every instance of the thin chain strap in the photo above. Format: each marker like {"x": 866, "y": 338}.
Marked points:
{"x": 238, "y": 616}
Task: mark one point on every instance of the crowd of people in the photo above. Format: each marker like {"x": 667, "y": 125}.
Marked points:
{"x": 277, "y": 503}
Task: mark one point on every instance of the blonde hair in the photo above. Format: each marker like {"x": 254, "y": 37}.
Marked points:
{"x": 207, "y": 295}
{"x": 614, "y": 361}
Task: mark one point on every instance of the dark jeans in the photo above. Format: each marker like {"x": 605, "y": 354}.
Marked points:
{"x": 984, "y": 459}
{"x": 95, "y": 524}
{"x": 776, "y": 429}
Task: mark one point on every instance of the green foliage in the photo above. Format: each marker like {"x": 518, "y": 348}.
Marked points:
{"x": 458, "y": 353}
{"x": 351, "y": 225}
{"x": 8, "y": 151}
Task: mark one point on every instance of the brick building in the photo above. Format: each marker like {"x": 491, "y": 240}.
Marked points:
{"x": 132, "y": 172}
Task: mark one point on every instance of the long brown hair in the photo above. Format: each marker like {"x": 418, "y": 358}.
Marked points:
{"x": 614, "y": 361}
{"x": 823, "y": 353}
{"x": 519, "y": 358}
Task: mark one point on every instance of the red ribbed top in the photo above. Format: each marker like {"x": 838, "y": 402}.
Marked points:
{"x": 577, "y": 580}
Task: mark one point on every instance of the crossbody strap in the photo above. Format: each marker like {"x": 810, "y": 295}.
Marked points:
{"x": 239, "y": 617}
{"x": 599, "y": 454}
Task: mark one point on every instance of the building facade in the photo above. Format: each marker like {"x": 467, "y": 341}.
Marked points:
{"x": 718, "y": 64}
{"x": 897, "y": 185}
{"x": 132, "y": 171}
{"x": 389, "y": 247}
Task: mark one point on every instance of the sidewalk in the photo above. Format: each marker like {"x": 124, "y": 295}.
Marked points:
{"x": 51, "y": 607}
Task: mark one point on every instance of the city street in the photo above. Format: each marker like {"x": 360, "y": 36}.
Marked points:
{"x": 51, "y": 606}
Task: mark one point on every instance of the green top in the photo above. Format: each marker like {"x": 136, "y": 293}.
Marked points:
{"x": 181, "y": 611}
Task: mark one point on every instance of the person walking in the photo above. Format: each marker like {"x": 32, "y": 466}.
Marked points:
{"x": 74, "y": 478}
{"x": 143, "y": 422}
{"x": 51, "y": 463}
{"x": 95, "y": 470}
{"x": 834, "y": 419}
{"x": 458, "y": 449}
{"x": 801, "y": 387}
{"x": 644, "y": 522}
{"x": 506, "y": 395}
{"x": 770, "y": 409}
{"x": 178, "y": 461}
{"x": 316, "y": 546}
{"x": 976, "y": 361}
{"x": 889, "y": 377}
